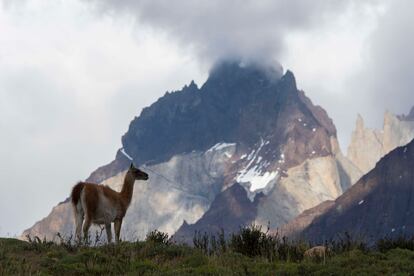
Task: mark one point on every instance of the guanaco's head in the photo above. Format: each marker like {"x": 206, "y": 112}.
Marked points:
{"x": 137, "y": 173}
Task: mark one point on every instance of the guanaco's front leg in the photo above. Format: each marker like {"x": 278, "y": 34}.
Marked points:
{"x": 117, "y": 225}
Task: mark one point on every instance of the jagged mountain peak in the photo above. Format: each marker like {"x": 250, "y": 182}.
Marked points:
{"x": 360, "y": 125}
{"x": 289, "y": 77}
{"x": 193, "y": 85}
{"x": 411, "y": 114}
{"x": 236, "y": 70}
{"x": 369, "y": 145}
{"x": 237, "y": 104}
{"x": 408, "y": 117}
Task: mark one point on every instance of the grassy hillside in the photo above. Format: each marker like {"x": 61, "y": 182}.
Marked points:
{"x": 157, "y": 256}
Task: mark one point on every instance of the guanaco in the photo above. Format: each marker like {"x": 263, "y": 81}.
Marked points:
{"x": 99, "y": 204}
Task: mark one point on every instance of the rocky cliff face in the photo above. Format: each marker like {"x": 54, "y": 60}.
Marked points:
{"x": 294, "y": 228}
{"x": 248, "y": 125}
{"x": 230, "y": 210}
{"x": 369, "y": 145}
{"x": 379, "y": 205}
{"x": 184, "y": 191}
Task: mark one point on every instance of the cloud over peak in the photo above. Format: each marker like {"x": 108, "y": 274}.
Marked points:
{"x": 237, "y": 29}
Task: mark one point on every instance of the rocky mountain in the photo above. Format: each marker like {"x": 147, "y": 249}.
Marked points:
{"x": 379, "y": 205}
{"x": 369, "y": 145}
{"x": 247, "y": 146}
{"x": 229, "y": 210}
{"x": 294, "y": 228}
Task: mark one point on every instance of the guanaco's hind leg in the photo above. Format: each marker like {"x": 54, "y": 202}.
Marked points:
{"x": 86, "y": 226}
{"x": 79, "y": 216}
{"x": 89, "y": 200}
{"x": 108, "y": 232}
{"x": 117, "y": 225}
{"x": 78, "y": 221}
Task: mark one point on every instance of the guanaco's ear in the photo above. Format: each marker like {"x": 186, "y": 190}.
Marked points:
{"x": 131, "y": 166}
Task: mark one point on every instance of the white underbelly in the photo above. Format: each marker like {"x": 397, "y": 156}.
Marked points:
{"x": 104, "y": 217}
{"x": 106, "y": 212}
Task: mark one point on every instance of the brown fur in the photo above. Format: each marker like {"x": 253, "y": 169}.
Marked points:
{"x": 76, "y": 191}
{"x": 316, "y": 252}
{"x": 86, "y": 207}
{"x": 92, "y": 199}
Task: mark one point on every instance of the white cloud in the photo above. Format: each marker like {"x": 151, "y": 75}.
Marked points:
{"x": 70, "y": 83}
{"x": 239, "y": 29}
{"x": 387, "y": 77}
{"x": 326, "y": 59}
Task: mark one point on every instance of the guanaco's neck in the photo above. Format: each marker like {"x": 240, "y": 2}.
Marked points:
{"x": 127, "y": 188}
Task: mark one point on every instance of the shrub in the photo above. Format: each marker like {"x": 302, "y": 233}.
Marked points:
{"x": 386, "y": 244}
{"x": 210, "y": 244}
{"x": 68, "y": 242}
{"x": 220, "y": 244}
{"x": 37, "y": 244}
{"x": 291, "y": 250}
{"x": 250, "y": 241}
{"x": 345, "y": 242}
{"x": 159, "y": 237}
{"x": 201, "y": 241}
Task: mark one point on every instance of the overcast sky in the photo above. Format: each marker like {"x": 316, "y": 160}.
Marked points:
{"x": 74, "y": 73}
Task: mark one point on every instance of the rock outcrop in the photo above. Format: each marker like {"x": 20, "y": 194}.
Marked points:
{"x": 296, "y": 226}
{"x": 230, "y": 210}
{"x": 369, "y": 145}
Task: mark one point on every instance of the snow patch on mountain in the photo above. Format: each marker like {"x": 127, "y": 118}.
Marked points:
{"x": 220, "y": 146}
{"x": 257, "y": 179}
{"x": 254, "y": 176}
{"x": 126, "y": 154}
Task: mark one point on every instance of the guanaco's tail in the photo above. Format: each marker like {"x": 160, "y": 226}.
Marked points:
{"x": 76, "y": 193}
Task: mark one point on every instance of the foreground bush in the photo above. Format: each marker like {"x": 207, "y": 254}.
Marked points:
{"x": 156, "y": 236}
{"x": 252, "y": 241}
{"x": 387, "y": 244}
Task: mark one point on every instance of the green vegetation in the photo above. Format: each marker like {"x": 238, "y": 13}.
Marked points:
{"x": 249, "y": 252}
